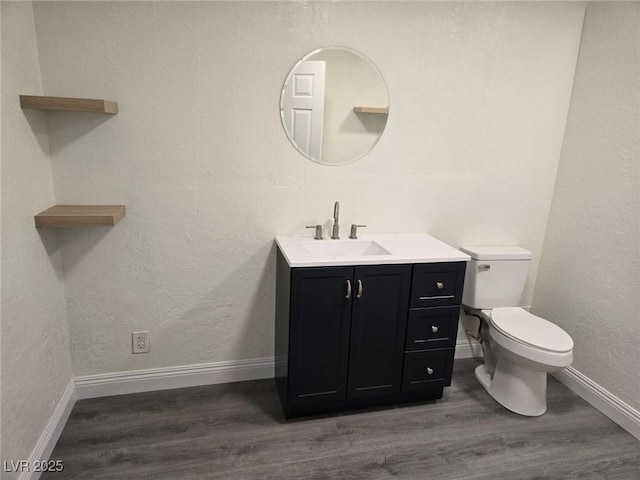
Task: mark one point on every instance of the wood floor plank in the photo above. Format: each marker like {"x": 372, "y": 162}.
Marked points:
{"x": 237, "y": 431}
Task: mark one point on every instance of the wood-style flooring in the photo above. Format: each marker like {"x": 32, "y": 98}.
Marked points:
{"x": 237, "y": 431}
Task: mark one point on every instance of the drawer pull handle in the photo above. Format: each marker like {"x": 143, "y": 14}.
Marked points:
{"x": 359, "y": 294}
{"x": 439, "y": 285}
{"x": 348, "y": 289}
{"x": 429, "y": 371}
{"x": 434, "y": 329}
{"x": 484, "y": 266}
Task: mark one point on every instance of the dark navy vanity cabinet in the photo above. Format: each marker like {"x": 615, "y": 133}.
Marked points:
{"x": 354, "y": 336}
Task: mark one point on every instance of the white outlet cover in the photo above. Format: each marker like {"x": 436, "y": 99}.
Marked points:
{"x": 140, "y": 342}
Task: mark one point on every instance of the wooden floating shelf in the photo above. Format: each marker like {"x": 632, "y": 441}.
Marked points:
{"x": 383, "y": 110}
{"x": 68, "y": 104}
{"x": 80, "y": 216}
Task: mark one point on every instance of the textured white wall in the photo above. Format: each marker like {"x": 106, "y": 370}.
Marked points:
{"x": 36, "y": 364}
{"x": 589, "y": 280}
{"x": 479, "y": 96}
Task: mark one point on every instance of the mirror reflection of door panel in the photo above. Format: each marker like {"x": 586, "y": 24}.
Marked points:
{"x": 354, "y": 102}
{"x": 303, "y": 107}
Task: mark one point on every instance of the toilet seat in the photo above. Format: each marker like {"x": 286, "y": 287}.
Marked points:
{"x": 527, "y": 329}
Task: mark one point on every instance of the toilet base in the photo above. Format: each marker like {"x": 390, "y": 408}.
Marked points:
{"x": 519, "y": 389}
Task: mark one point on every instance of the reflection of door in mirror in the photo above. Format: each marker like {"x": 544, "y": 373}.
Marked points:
{"x": 303, "y": 107}
{"x": 334, "y": 105}
{"x": 351, "y": 81}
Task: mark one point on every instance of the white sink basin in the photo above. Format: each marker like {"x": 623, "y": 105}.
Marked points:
{"x": 376, "y": 249}
{"x": 344, "y": 248}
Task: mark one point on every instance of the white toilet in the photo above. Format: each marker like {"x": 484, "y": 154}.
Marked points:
{"x": 520, "y": 348}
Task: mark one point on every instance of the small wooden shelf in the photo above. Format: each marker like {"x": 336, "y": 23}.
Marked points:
{"x": 382, "y": 110}
{"x": 68, "y": 104}
{"x": 80, "y": 216}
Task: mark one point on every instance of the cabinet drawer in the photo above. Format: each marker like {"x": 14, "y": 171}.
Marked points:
{"x": 427, "y": 369}
{"x": 437, "y": 284}
{"x": 430, "y": 328}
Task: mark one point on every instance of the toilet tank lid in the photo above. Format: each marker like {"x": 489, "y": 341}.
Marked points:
{"x": 494, "y": 252}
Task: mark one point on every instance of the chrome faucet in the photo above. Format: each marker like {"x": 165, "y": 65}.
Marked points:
{"x": 335, "y": 234}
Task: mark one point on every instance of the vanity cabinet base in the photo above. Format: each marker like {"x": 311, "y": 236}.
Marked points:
{"x": 349, "y": 337}
{"x": 292, "y": 410}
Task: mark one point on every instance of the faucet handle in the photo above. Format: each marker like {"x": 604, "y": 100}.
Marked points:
{"x": 354, "y": 231}
{"x": 318, "y": 235}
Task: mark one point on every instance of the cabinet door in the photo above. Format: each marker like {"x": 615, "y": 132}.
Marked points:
{"x": 319, "y": 334}
{"x": 378, "y": 323}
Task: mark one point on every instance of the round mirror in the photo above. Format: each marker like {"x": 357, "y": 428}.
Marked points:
{"x": 334, "y": 105}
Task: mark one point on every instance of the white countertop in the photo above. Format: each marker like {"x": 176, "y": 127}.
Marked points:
{"x": 402, "y": 248}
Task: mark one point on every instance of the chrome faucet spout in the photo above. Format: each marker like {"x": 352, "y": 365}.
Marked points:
{"x": 335, "y": 234}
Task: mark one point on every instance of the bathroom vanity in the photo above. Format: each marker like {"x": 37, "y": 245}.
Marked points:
{"x": 365, "y": 322}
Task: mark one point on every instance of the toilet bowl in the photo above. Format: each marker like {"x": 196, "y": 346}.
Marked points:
{"x": 524, "y": 348}
{"x": 519, "y": 348}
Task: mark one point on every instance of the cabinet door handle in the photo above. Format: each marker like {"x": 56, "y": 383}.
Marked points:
{"x": 359, "y": 294}
{"x": 434, "y": 329}
{"x": 348, "y": 289}
{"x": 439, "y": 285}
{"x": 429, "y": 371}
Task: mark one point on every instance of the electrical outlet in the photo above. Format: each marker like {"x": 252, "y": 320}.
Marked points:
{"x": 140, "y": 341}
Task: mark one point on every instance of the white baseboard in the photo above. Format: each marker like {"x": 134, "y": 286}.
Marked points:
{"x": 136, "y": 381}
{"x": 52, "y": 431}
{"x": 468, "y": 349}
{"x": 610, "y": 405}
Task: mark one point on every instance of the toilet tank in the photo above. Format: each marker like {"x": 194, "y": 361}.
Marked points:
{"x": 495, "y": 276}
